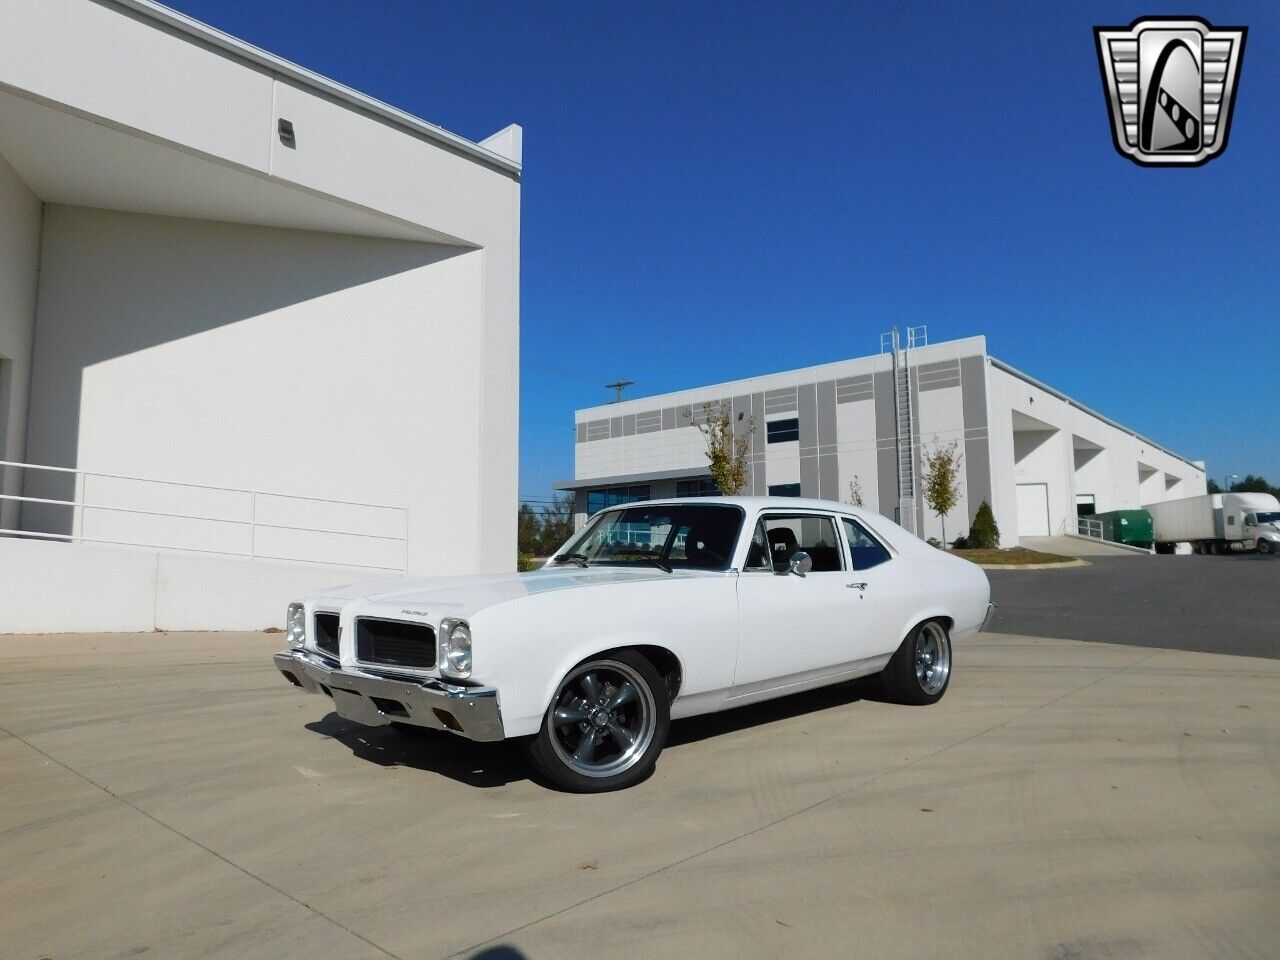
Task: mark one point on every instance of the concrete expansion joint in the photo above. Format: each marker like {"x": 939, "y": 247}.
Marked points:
{"x": 196, "y": 843}
{"x": 884, "y": 774}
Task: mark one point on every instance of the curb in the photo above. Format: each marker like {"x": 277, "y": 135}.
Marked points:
{"x": 1077, "y": 562}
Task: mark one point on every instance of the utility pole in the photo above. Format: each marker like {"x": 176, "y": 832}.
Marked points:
{"x": 619, "y": 386}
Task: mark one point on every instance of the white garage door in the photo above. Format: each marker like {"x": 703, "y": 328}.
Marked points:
{"x": 1033, "y": 509}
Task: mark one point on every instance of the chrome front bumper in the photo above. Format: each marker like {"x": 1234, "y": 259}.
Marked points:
{"x": 375, "y": 700}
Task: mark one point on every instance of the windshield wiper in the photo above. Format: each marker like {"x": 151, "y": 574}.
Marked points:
{"x": 578, "y": 558}
{"x": 659, "y": 563}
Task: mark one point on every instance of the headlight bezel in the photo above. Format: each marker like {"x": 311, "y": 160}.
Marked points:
{"x": 295, "y": 625}
{"x": 454, "y": 649}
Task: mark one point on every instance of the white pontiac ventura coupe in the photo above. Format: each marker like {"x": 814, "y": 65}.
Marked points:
{"x": 652, "y": 611}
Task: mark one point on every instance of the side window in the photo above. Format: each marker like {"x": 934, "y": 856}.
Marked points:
{"x": 816, "y": 536}
{"x": 865, "y": 551}
{"x": 1250, "y": 520}
{"x": 758, "y": 553}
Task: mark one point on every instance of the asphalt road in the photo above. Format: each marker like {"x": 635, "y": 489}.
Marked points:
{"x": 1226, "y": 604}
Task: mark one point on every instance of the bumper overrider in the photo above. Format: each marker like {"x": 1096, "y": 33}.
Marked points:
{"x": 376, "y": 700}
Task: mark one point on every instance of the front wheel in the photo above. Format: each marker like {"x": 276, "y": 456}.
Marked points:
{"x": 606, "y": 725}
{"x": 1264, "y": 547}
{"x": 919, "y": 672}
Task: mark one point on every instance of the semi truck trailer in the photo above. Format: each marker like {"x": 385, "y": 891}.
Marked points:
{"x": 1218, "y": 523}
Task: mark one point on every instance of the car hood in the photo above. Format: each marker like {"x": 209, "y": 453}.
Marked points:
{"x": 463, "y": 596}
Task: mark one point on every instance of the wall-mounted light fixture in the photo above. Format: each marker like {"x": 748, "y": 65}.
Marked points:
{"x": 285, "y": 129}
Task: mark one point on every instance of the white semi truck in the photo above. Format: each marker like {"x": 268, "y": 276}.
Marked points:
{"x": 1218, "y": 523}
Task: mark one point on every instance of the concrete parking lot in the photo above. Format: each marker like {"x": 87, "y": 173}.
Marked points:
{"x": 170, "y": 796}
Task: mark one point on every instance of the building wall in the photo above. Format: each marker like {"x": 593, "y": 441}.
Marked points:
{"x": 20, "y": 212}
{"x": 846, "y": 429}
{"x": 1038, "y": 437}
{"x": 286, "y": 361}
{"x": 1008, "y": 431}
{"x": 131, "y": 74}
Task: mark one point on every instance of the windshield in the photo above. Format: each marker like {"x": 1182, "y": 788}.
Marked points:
{"x": 1272, "y": 517}
{"x": 696, "y": 536}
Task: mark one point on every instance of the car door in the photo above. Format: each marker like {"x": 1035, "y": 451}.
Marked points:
{"x": 884, "y": 591}
{"x": 790, "y": 624}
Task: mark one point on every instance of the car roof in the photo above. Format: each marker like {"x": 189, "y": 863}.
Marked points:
{"x": 750, "y": 503}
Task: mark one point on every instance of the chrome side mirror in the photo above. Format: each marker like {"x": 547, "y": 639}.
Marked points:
{"x": 801, "y": 563}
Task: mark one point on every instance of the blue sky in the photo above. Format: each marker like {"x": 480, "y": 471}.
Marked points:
{"x": 718, "y": 190}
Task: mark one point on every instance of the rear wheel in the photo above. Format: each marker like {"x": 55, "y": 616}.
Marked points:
{"x": 920, "y": 671}
{"x": 606, "y": 725}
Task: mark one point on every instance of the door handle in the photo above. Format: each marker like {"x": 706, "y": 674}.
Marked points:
{"x": 857, "y": 586}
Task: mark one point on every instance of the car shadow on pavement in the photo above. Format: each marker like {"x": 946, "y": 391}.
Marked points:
{"x": 497, "y": 764}
{"x": 693, "y": 729}
{"x": 434, "y": 751}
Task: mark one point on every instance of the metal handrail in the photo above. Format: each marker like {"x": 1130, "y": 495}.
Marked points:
{"x": 80, "y": 505}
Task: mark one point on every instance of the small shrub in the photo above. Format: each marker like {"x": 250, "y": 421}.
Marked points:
{"x": 984, "y": 534}
{"x": 934, "y": 542}
{"x": 961, "y": 543}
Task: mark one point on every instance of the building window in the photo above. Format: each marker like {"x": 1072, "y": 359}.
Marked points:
{"x": 598, "y": 500}
{"x": 702, "y": 487}
{"x": 780, "y": 431}
{"x": 785, "y": 490}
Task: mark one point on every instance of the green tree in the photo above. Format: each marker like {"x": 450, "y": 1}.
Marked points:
{"x": 942, "y": 480}
{"x": 1254, "y": 484}
{"x": 984, "y": 534}
{"x": 528, "y": 530}
{"x": 855, "y": 492}
{"x": 555, "y": 524}
{"x": 1212, "y": 486}
{"x": 727, "y": 448}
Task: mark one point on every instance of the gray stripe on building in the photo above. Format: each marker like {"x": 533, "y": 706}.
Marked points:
{"x": 810, "y": 481}
{"x": 951, "y": 366}
{"x": 829, "y": 476}
{"x": 973, "y": 373}
{"x": 669, "y": 418}
{"x": 939, "y": 384}
{"x": 629, "y": 425}
{"x": 581, "y": 433}
{"x": 615, "y": 427}
{"x": 826, "y": 395}
{"x": 807, "y": 400}
{"x": 977, "y": 473}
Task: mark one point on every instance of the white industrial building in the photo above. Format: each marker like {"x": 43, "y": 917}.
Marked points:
{"x": 1039, "y": 457}
{"x": 258, "y": 331}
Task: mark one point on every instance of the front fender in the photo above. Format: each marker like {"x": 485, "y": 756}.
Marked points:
{"x": 524, "y": 648}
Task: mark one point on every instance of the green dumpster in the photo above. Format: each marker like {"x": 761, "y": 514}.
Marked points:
{"x": 1127, "y": 526}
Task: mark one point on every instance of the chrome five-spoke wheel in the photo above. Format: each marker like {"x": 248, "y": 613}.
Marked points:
{"x": 606, "y": 725}
{"x": 932, "y": 658}
{"x": 921, "y": 669}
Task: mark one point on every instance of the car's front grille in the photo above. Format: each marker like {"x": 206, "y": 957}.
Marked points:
{"x": 327, "y": 633}
{"x": 396, "y": 644}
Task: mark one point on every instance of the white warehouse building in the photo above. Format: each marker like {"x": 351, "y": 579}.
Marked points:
{"x": 1039, "y": 457}
{"x": 258, "y": 332}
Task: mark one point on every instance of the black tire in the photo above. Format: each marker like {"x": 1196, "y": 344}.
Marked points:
{"x": 907, "y": 679}
{"x": 586, "y": 751}
{"x": 1264, "y": 547}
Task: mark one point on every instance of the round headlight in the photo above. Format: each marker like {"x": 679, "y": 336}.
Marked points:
{"x": 296, "y": 625}
{"x": 457, "y": 652}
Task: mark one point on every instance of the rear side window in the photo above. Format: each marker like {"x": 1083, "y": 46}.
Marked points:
{"x": 865, "y": 551}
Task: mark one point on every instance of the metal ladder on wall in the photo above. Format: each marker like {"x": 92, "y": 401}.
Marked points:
{"x": 904, "y": 418}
